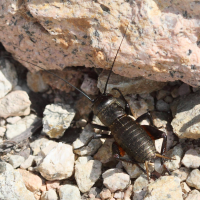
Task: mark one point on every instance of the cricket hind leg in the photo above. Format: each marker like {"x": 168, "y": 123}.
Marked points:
{"x": 154, "y": 133}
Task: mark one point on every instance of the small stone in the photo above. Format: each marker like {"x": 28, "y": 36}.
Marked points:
{"x": 176, "y": 153}
{"x": 193, "y": 195}
{"x": 193, "y": 179}
{"x": 119, "y": 195}
{"x": 166, "y": 187}
{"x": 13, "y": 120}
{"x": 185, "y": 189}
{"x": 175, "y": 92}
{"x": 69, "y": 192}
{"x": 16, "y": 160}
{"x": 20, "y": 126}
{"x": 104, "y": 154}
{"x": 128, "y": 192}
{"x": 184, "y": 89}
{"x": 37, "y": 195}
{"x": 191, "y": 158}
{"x": 89, "y": 86}
{"x": 49, "y": 195}
{"x": 115, "y": 179}
{"x": 32, "y": 181}
{"x": 160, "y": 119}
{"x": 181, "y": 173}
{"x": 39, "y": 144}
{"x": 138, "y": 107}
{"x": 57, "y": 119}
{"x": 87, "y": 172}
{"x": 36, "y": 83}
{"x": 45, "y": 150}
{"x": 105, "y": 194}
{"x": 140, "y": 183}
{"x": 92, "y": 147}
{"x": 94, "y": 191}
{"x": 161, "y": 94}
{"x": 16, "y": 103}
{"x": 28, "y": 162}
{"x": 162, "y": 106}
{"x": 168, "y": 99}
{"x": 81, "y": 123}
{"x": 53, "y": 185}
{"x": 58, "y": 164}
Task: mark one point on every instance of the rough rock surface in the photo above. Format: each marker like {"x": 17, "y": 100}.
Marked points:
{"x": 12, "y": 185}
{"x": 166, "y": 187}
{"x": 186, "y": 123}
{"x": 57, "y": 119}
{"x": 16, "y": 103}
{"x": 161, "y": 43}
{"x": 58, "y": 164}
{"x": 8, "y": 77}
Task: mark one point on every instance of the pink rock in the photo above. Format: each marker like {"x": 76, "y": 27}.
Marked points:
{"x": 32, "y": 181}
{"x": 53, "y": 185}
{"x": 161, "y": 43}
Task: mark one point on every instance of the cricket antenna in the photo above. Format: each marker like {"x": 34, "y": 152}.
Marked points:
{"x": 92, "y": 100}
{"x": 115, "y": 59}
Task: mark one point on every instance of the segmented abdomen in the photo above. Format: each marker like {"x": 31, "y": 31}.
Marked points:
{"x": 133, "y": 139}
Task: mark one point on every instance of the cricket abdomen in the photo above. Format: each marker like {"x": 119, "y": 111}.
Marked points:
{"x": 133, "y": 139}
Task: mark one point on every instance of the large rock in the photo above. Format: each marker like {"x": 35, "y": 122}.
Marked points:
{"x": 12, "y": 184}
{"x": 161, "y": 43}
{"x": 16, "y": 103}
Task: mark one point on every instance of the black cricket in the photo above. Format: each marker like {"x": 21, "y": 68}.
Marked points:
{"x": 136, "y": 140}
